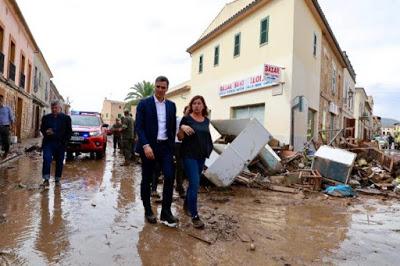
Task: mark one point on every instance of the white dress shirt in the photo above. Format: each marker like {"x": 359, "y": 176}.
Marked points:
{"x": 161, "y": 119}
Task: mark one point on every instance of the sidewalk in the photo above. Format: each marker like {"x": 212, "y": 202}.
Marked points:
{"x": 18, "y": 149}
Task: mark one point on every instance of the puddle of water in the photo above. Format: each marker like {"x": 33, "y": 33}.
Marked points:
{"x": 96, "y": 217}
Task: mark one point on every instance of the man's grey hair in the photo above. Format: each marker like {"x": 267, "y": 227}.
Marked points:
{"x": 56, "y": 102}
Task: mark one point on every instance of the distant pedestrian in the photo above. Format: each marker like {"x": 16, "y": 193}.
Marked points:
{"x": 196, "y": 147}
{"x": 57, "y": 130}
{"x": 6, "y": 122}
{"x": 156, "y": 129}
{"x": 390, "y": 140}
{"x": 127, "y": 137}
{"x": 116, "y": 131}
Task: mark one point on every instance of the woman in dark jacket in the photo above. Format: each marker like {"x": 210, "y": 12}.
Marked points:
{"x": 195, "y": 148}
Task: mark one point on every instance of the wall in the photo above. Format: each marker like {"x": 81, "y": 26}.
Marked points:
{"x": 306, "y": 70}
{"x": 278, "y": 51}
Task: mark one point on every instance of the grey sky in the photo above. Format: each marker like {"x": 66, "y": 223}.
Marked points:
{"x": 99, "y": 48}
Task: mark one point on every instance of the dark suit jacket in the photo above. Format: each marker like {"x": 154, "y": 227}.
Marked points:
{"x": 146, "y": 125}
{"x": 65, "y": 128}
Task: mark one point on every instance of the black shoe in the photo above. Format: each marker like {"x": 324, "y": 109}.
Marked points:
{"x": 197, "y": 222}
{"x": 168, "y": 219}
{"x": 58, "y": 183}
{"x": 45, "y": 183}
{"x": 150, "y": 217}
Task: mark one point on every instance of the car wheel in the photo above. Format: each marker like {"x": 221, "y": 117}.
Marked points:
{"x": 92, "y": 155}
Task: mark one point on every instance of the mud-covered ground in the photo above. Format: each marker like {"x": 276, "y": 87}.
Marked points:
{"x": 96, "y": 218}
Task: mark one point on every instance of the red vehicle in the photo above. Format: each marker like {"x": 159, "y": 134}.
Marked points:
{"x": 89, "y": 135}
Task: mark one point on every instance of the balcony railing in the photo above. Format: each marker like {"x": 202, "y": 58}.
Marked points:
{"x": 11, "y": 72}
{"x": 22, "y": 81}
{"x": 1, "y": 62}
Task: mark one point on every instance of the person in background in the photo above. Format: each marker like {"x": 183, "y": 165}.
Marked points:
{"x": 196, "y": 146}
{"x": 179, "y": 173}
{"x": 57, "y": 130}
{"x": 390, "y": 140}
{"x": 116, "y": 131}
{"x": 156, "y": 130}
{"x": 127, "y": 137}
{"x": 6, "y": 122}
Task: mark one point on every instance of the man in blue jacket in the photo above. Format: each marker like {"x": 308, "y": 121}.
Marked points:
{"x": 156, "y": 129}
{"x": 57, "y": 130}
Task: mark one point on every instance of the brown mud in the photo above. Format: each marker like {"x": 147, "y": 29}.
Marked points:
{"x": 96, "y": 218}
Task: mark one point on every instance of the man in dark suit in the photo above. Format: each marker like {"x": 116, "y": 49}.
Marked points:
{"x": 57, "y": 130}
{"x": 156, "y": 129}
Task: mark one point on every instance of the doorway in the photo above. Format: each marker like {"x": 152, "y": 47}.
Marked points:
{"x": 19, "y": 119}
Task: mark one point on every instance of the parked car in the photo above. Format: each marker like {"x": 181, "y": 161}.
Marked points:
{"x": 89, "y": 135}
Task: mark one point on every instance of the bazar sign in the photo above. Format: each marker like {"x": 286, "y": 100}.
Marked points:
{"x": 270, "y": 77}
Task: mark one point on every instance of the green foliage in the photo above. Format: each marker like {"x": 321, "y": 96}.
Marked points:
{"x": 139, "y": 91}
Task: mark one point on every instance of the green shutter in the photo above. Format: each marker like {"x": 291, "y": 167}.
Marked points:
{"x": 216, "y": 56}
{"x": 264, "y": 28}
{"x": 236, "y": 51}
{"x": 201, "y": 64}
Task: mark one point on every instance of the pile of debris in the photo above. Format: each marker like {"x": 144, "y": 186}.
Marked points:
{"x": 247, "y": 154}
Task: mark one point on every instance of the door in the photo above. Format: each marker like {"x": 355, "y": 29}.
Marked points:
{"x": 37, "y": 117}
{"x": 19, "y": 119}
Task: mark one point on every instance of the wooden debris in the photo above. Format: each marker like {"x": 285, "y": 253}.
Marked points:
{"x": 199, "y": 238}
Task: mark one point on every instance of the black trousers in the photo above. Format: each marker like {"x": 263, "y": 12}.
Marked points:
{"x": 164, "y": 157}
{"x": 179, "y": 168}
{"x": 5, "y": 138}
{"x": 117, "y": 141}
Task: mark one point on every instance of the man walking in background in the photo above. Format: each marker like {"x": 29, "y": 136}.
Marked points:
{"x": 6, "y": 122}
{"x": 57, "y": 130}
{"x": 127, "y": 137}
{"x": 156, "y": 129}
{"x": 116, "y": 131}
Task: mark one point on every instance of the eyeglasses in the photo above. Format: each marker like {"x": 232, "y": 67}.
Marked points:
{"x": 161, "y": 87}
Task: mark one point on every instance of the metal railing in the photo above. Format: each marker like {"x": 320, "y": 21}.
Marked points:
{"x": 11, "y": 72}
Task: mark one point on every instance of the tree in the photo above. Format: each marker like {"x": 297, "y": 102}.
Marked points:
{"x": 139, "y": 91}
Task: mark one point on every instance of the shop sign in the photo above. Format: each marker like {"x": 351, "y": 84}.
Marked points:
{"x": 271, "y": 76}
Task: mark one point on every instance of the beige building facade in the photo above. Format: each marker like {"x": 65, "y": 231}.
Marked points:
{"x": 112, "y": 110}
{"x": 363, "y": 112}
{"x": 263, "y": 59}
{"x": 21, "y": 82}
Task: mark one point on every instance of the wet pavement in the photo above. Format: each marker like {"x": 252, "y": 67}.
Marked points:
{"x": 96, "y": 218}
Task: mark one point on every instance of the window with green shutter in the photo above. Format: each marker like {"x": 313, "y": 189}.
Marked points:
{"x": 236, "y": 51}
{"x": 264, "y": 28}
{"x": 201, "y": 64}
{"x": 315, "y": 45}
{"x": 216, "y": 55}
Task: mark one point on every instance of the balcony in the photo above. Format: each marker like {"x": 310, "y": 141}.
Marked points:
{"x": 1, "y": 62}
{"x": 22, "y": 81}
{"x": 365, "y": 116}
{"x": 11, "y": 72}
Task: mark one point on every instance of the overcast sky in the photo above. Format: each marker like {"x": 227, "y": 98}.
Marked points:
{"x": 100, "y": 48}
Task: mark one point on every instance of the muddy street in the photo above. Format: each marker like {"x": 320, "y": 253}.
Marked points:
{"x": 96, "y": 218}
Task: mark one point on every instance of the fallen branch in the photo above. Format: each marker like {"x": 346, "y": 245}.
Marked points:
{"x": 199, "y": 238}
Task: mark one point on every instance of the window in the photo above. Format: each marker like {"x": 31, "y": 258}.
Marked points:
{"x": 1, "y": 39}
{"x": 264, "y": 29}
{"x": 1, "y": 50}
{"x": 40, "y": 79}
{"x": 315, "y": 45}
{"x": 236, "y": 51}
{"x": 201, "y": 64}
{"x": 12, "y": 53}
{"x": 29, "y": 77}
{"x": 333, "y": 79}
{"x": 216, "y": 56}
{"x": 310, "y": 124}
{"x": 250, "y": 111}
